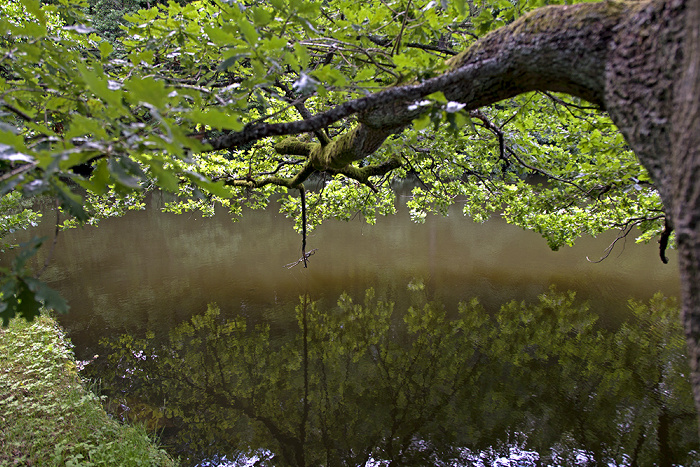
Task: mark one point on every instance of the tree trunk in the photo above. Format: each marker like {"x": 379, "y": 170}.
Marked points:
{"x": 652, "y": 94}
{"x": 686, "y": 198}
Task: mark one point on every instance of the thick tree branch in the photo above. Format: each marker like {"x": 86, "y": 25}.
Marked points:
{"x": 294, "y": 147}
{"x": 560, "y": 48}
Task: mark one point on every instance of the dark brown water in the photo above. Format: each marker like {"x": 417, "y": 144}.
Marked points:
{"x": 151, "y": 270}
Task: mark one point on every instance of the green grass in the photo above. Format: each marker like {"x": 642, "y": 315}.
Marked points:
{"x": 48, "y": 418}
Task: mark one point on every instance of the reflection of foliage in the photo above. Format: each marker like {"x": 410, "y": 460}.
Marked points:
{"x": 359, "y": 383}
{"x": 575, "y": 384}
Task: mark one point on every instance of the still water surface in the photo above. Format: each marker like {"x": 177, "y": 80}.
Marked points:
{"x": 150, "y": 271}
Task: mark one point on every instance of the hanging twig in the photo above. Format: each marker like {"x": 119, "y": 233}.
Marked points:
{"x": 622, "y": 236}
{"x": 627, "y": 228}
{"x": 302, "y": 193}
{"x": 304, "y": 254}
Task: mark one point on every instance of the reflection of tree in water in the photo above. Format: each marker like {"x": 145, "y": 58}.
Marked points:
{"x": 358, "y": 382}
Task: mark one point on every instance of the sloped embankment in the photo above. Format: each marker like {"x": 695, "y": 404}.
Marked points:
{"x": 48, "y": 417}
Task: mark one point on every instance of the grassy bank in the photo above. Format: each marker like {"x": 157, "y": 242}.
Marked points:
{"x": 48, "y": 418}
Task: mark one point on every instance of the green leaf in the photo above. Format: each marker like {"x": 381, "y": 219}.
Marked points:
{"x": 229, "y": 62}
{"x": 100, "y": 178}
{"x": 166, "y": 178}
{"x": 302, "y": 55}
{"x": 249, "y": 32}
{"x": 147, "y": 90}
{"x": 137, "y": 57}
{"x": 405, "y": 61}
{"x": 51, "y": 299}
{"x": 81, "y": 125}
{"x": 33, "y": 7}
{"x": 438, "y": 97}
{"x": 217, "y": 119}
{"x": 220, "y": 37}
{"x": 261, "y": 17}
{"x": 26, "y": 304}
{"x": 70, "y": 201}
{"x": 215, "y": 188}
{"x": 98, "y": 84}
{"x": 278, "y": 5}
{"x": 365, "y": 74}
{"x": 331, "y": 75}
{"x": 105, "y": 49}
{"x": 126, "y": 172}
{"x": 422, "y": 122}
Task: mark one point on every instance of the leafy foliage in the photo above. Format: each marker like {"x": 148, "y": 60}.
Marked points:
{"x": 15, "y": 214}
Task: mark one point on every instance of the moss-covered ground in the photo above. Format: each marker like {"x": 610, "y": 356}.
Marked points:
{"x": 48, "y": 417}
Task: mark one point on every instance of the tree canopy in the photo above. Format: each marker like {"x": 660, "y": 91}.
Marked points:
{"x": 183, "y": 100}
{"x": 326, "y": 103}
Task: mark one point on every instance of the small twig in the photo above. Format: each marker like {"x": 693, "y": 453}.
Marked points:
{"x": 569, "y": 104}
{"x": 303, "y": 111}
{"x": 388, "y": 7}
{"x": 501, "y": 142}
{"x": 397, "y": 44}
{"x": 16, "y": 111}
{"x": 18, "y": 170}
{"x": 510, "y": 119}
{"x": 302, "y": 259}
{"x": 431, "y": 48}
{"x": 624, "y": 232}
{"x": 280, "y": 165}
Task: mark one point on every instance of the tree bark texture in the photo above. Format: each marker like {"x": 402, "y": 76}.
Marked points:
{"x": 653, "y": 95}
{"x": 685, "y": 159}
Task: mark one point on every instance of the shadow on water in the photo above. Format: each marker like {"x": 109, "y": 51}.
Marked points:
{"x": 366, "y": 383}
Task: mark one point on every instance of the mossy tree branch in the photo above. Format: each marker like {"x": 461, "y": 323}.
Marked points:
{"x": 558, "y": 48}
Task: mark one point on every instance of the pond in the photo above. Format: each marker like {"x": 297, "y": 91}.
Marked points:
{"x": 376, "y": 353}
